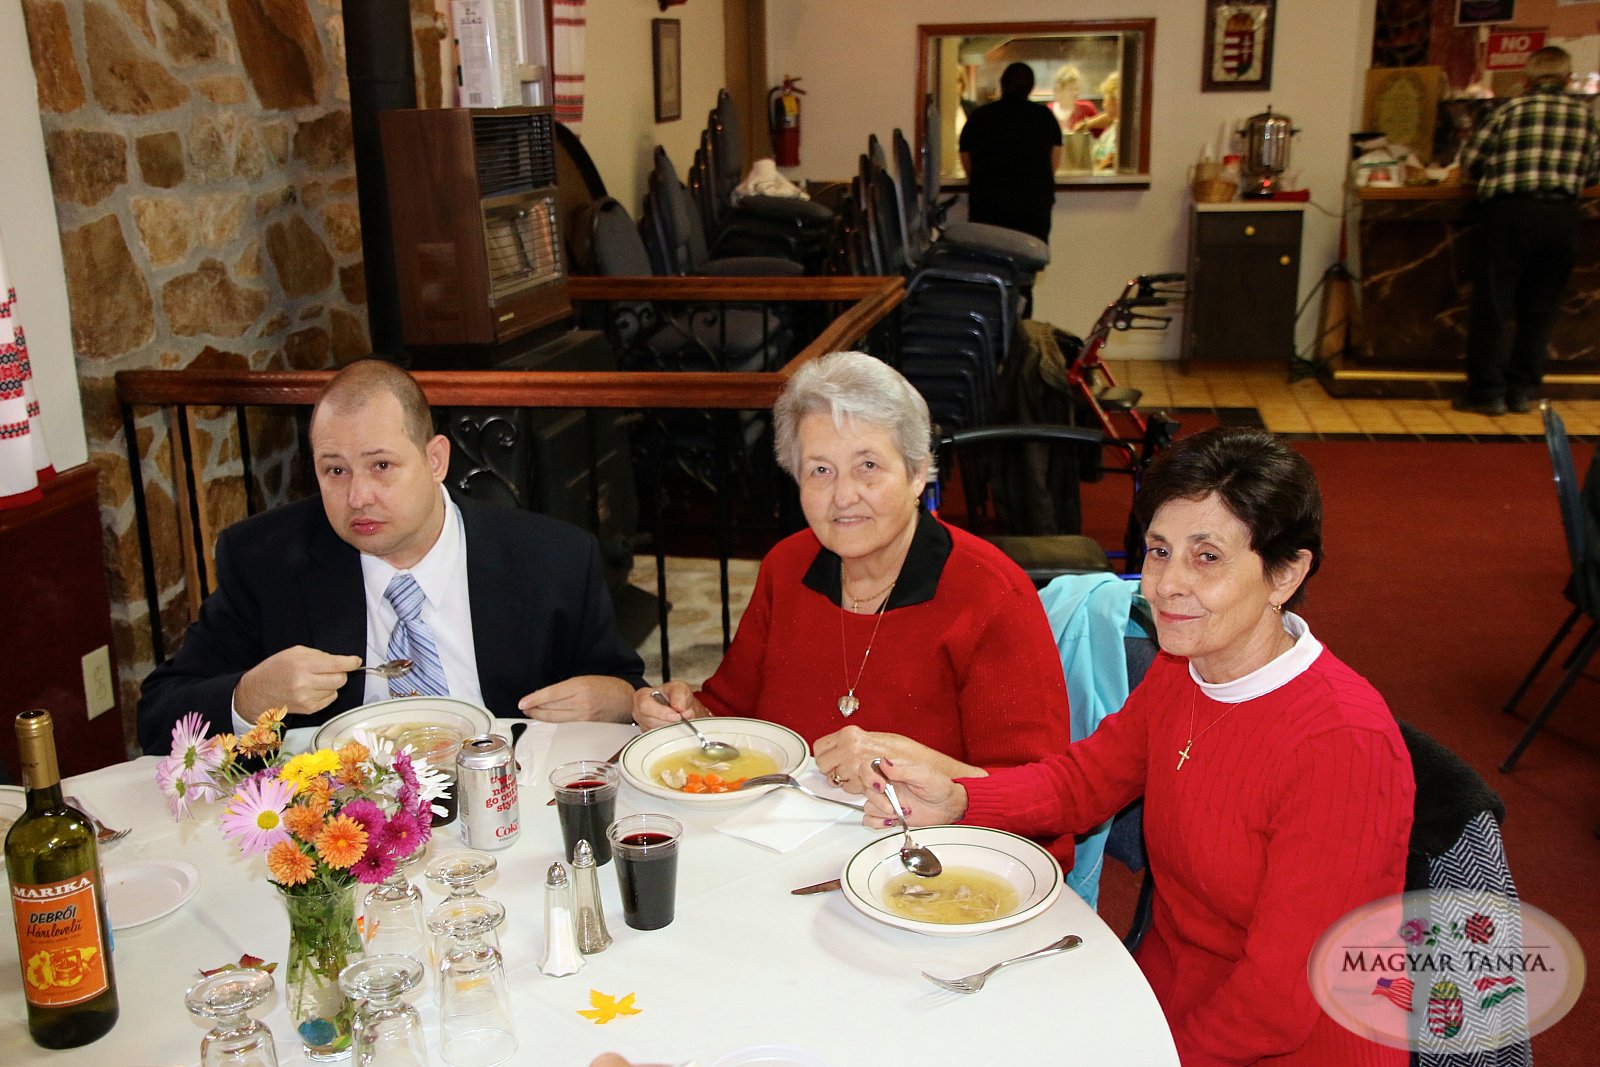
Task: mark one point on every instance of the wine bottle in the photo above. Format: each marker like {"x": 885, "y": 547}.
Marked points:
{"x": 58, "y": 903}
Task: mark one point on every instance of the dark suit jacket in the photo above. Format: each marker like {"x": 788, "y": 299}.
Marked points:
{"x": 541, "y": 613}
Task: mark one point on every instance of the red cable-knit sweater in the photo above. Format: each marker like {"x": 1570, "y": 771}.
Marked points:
{"x": 1292, "y": 810}
{"x": 972, "y": 672}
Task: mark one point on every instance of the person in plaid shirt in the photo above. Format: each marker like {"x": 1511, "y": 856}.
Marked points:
{"x": 1530, "y": 161}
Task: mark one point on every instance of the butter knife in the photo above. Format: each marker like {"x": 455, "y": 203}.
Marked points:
{"x": 821, "y": 887}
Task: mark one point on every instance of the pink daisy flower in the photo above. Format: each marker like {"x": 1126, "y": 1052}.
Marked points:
{"x": 374, "y": 867}
{"x": 175, "y": 786}
{"x": 402, "y": 767}
{"x": 255, "y": 814}
{"x": 192, "y": 747}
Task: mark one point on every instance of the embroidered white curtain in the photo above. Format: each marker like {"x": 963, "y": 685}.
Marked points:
{"x": 24, "y": 464}
{"x": 567, "y": 46}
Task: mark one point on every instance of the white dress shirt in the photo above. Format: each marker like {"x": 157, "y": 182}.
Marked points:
{"x": 1274, "y": 674}
{"x": 446, "y": 608}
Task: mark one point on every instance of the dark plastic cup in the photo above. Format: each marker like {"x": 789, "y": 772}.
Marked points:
{"x": 646, "y": 848}
{"x": 586, "y": 802}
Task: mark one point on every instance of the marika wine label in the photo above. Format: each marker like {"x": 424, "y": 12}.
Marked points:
{"x": 60, "y": 942}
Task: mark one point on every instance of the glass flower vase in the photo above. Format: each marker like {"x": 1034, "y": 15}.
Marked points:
{"x": 323, "y": 940}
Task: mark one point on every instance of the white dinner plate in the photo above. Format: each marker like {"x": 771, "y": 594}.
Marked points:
{"x": 1032, "y": 872}
{"x": 771, "y": 1056}
{"x": 639, "y": 758}
{"x": 13, "y": 802}
{"x": 143, "y": 891}
{"x": 470, "y": 719}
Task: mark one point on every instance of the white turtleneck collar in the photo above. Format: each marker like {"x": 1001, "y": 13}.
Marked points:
{"x": 1274, "y": 674}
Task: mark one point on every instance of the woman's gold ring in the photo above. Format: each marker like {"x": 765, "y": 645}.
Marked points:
{"x": 837, "y": 780}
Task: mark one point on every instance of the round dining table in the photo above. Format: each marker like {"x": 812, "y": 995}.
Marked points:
{"x": 744, "y": 964}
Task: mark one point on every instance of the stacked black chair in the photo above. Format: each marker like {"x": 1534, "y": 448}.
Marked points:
{"x": 786, "y": 227}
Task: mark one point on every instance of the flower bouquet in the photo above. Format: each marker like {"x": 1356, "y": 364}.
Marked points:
{"x": 326, "y": 821}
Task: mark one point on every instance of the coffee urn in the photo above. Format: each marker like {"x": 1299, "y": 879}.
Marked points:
{"x": 1266, "y": 152}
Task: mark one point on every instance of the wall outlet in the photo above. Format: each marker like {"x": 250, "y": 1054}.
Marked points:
{"x": 99, "y": 691}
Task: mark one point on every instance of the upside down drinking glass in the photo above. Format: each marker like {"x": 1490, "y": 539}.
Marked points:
{"x": 474, "y": 1002}
{"x": 237, "y": 1040}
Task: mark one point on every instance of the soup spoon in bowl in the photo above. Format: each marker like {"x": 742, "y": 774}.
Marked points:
{"x": 715, "y": 751}
{"x": 918, "y": 860}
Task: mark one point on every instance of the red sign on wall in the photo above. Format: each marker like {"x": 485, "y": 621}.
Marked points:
{"x": 1510, "y": 51}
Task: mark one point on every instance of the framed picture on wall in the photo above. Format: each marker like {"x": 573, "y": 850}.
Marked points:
{"x": 1238, "y": 45}
{"x": 1484, "y": 12}
{"x": 666, "y": 53}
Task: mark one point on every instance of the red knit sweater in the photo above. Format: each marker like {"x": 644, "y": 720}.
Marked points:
{"x": 1292, "y": 810}
{"x": 972, "y": 673}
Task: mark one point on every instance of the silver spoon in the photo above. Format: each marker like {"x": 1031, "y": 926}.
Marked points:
{"x": 788, "y": 780}
{"x": 716, "y": 751}
{"x": 393, "y": 669}
{"x": 918, "y": 860}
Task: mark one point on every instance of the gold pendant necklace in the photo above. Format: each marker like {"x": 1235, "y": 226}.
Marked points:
{"x": 1183, "y": 753}
{"x": 857, "y": 601}
{"x": 848, "y": 704}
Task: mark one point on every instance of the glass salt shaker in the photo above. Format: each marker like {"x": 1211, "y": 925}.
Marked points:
{"x": 561, "y": 955}
{"x": 588, "y": 916}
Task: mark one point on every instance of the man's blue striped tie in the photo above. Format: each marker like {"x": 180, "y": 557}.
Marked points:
{"x": 413, "y": 640}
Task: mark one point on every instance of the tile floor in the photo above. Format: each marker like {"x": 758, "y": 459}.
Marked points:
{"x": 1304, "y": 407}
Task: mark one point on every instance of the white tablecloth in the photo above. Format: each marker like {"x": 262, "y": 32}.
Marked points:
{"x": 745, "y": 963}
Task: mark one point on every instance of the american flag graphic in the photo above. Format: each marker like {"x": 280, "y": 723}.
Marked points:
{"x": 1398, "y": 990}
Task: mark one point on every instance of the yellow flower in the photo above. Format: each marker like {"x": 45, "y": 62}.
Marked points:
{"x": 288, "y": 865}
{"x": 341, "y": 842}
{"x": 303, "y": 768}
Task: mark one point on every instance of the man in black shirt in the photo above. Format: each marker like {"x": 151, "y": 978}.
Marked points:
{"x": 1010, "y": 150}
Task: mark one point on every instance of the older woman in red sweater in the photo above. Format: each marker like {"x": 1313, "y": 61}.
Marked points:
{"x": 880, "y": 631}
{"x": 1278, "y": 793}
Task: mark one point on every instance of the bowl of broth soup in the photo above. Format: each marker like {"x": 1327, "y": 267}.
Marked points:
{"x": 991, "y": 880}
{"x": 667, "y": 762}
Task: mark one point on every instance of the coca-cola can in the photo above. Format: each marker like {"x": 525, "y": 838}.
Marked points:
{"x": 486, "y": 781}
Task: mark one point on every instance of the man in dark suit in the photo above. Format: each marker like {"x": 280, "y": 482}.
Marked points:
{"x": 498, "y": 607}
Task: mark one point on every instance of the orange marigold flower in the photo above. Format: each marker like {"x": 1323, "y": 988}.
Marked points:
{"x": 318, "y": 797}
{"x": 288, "y": 865}
{"x": 341, "y": 842}
{"x": 272, "y": 717}
{"x": 303, "y": 823}
{"x": 258, "y": 742}
{"x": 352, "y": 752}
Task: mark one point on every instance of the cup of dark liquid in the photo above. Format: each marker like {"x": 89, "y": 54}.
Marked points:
{"x": 586, "y": 801}
{"x": 646, "y": 847}
{"x": 436, "y": 746}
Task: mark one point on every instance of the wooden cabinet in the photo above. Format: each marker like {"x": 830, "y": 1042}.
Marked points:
{"x": 1244, "y": 276}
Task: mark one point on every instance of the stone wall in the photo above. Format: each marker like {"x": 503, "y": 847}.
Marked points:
{"x": 201, "y": 159}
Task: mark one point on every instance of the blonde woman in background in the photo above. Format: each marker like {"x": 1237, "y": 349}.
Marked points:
{"x": 1069, "y": 110}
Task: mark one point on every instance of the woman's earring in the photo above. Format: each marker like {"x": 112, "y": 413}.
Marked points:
{"x": 1278, "y": 608}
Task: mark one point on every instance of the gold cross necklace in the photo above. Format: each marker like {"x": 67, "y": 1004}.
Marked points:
{"x": 1183, "y": 753}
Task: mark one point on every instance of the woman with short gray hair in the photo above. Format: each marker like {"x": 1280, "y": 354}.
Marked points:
{"x": 944, "y": 653}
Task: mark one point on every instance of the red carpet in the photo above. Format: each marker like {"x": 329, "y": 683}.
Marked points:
{"x": 1442, "y": 581}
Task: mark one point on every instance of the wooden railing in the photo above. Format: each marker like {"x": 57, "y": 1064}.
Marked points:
{"x": 870, "y": 302}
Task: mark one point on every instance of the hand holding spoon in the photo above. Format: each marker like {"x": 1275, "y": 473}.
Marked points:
{"x": 716, "y": 751}
{"x": 918, "y": 860}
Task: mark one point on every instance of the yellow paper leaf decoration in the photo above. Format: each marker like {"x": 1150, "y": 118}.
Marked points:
{"x": 605, "y": 1008}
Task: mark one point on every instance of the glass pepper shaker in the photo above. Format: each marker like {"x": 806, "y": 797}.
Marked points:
{"x": 561, "y": 955}
{"x": 587, "y": 913}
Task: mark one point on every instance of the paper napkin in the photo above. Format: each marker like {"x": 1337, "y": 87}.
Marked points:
{"x": 785, "y": 819}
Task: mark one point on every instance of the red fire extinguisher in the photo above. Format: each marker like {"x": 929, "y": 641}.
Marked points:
{"x": 783, "y": 121}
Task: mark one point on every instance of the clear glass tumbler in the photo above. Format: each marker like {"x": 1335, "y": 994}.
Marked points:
{"x": 236, "y": 1040}
{"x": 387, "y": 1031}
{"x": 474, "y": 1000}
{"x": 392, "y": 916}
{"x": 458, "y": 874}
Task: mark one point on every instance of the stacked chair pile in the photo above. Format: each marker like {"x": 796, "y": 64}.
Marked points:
{"x": 786, "y": 227}
{"x": 966, "y": 288}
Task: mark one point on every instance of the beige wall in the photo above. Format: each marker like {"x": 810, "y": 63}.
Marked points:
{"x": 859, "y": 65}
{"x": 33, "y": 247}
{"x": 619, "y": 127}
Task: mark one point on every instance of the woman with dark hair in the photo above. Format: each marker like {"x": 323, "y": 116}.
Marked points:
{"x": 1278, "y": 792}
